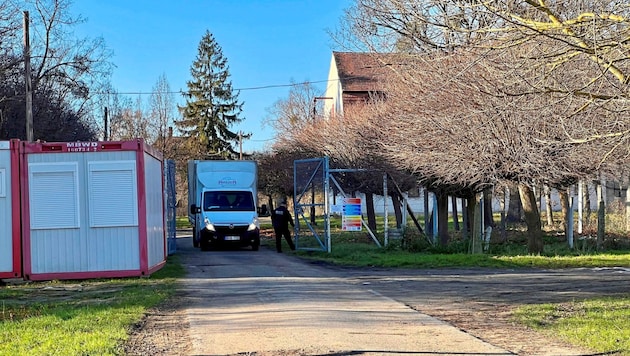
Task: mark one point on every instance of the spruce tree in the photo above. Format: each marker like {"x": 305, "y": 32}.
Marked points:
{"x": 212, "y": 105}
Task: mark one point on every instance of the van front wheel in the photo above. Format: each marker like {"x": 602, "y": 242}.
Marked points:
{"x": 195, "y": 238}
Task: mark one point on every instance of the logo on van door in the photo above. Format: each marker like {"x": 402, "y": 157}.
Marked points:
{"x": 227, "y": 181}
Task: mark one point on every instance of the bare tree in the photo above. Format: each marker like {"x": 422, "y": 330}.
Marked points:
{"x": 162, "y": 114}
{"x": 66, "y": 71}
{"x": 290, "y": 114}
{"x": 413, "y": 26}
{"x": 529, "y": 90}
{"x": 130, "y": 121}
{"x": 467, "y": 134}
{"x": 577, "y": 47}
{"x": 275, "y": 177}
{"x": 10, "y": 51}
{"x": 62, "y": 63}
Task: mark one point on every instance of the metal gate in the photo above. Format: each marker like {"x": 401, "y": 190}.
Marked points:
{"x": 312, "y": 179}
{"x": 310, "y": 182}
{"x": 170, "y": 205}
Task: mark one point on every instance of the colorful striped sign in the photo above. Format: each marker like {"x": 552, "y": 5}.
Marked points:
{"x": 351, "y": 214}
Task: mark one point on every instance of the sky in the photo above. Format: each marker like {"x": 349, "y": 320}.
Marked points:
{"x": 267, "y": 43}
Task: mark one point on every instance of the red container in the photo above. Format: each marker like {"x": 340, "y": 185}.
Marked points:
{"x": 10, "y": 249}
{"x": 91, "y": 210}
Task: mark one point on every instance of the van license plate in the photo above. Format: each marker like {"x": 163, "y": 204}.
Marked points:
{"x": 232, "y": 238}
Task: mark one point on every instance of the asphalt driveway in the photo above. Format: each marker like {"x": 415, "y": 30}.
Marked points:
{"x": 264, "y": 303}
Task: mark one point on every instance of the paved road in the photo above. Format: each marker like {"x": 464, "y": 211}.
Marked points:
{"x": 244, "y": 302}
{"x": 265, "y": 303}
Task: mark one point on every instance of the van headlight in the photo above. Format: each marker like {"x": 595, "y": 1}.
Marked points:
{"x": 255, "y": 224}
{"x": 209, "y": 225}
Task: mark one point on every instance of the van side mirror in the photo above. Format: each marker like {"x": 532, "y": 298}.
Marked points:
{"x": 194, "y": 209}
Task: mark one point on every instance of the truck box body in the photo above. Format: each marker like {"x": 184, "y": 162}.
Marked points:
{"x": 222, "y": 197}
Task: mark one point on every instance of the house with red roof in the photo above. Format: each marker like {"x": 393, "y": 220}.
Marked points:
{"x": 354, "y": 78}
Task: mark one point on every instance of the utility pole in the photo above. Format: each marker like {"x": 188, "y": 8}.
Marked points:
{"x": 312, "y": 183}
{"x": 315, "y": 104}
{"x": 105, "y": 135}
{"x": 27, "y": 80}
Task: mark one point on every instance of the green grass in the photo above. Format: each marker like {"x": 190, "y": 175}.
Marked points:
{"x": 365, "y": 254}
{"x": 601, "y": 324}
{"x": 79, "y": 317}
{"x": 181, "y": 222}
{"x": 415, "y": 250}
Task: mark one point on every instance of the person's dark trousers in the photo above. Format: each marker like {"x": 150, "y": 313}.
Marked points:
{"x": 287, "y": 235}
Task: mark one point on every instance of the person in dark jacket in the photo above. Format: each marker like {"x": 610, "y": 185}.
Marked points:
{"x": 280, "y": 219}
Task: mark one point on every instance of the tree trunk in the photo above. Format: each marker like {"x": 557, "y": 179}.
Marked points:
{"x": 548, "y": 206}
{"x": 471, "y": 205}
{"x": 628, "y": 208}
{"x": 538, "y": 191}
{"x": 476, "y": 229}
{"x": 465, "y": 220}
{"x": 564, "y": 202}
{"x": 371, "y": 214}
{"x": 270, "y": 203}
{"x": 397, "y": 210}
{"x": 532, "y": 219}
{"x": 601, "y": 217}
{"x": 503, "y": 227}
{"x": 427, "y": 214}
{"x": 455, "y": 216}
{"x": 488, "y": 217}
{"x": 503, "y": 211}
{"x": 442, "y": 213}
{"x": 587, "y": 204}
{"x": 601, "y": 225}
{"x": 515, "y": 210}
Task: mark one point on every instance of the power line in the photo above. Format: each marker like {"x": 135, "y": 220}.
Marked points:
{"x": 238, "y": 89}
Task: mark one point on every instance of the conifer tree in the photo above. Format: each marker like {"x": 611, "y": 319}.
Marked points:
{"x": 212, "y": 106}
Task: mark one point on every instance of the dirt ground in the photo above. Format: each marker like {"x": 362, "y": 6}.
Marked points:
{"x": 163, "y": 331}
{"x": 482, "y": 312}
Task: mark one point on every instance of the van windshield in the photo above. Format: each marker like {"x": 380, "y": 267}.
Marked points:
{"x": 228, "y": 201}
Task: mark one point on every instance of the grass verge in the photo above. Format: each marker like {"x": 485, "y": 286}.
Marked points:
{"x": 181, "y": 222}
{"x": 601, "y": 324}
{"x": 91, "y": 317}
{"x": 369, "y": 255}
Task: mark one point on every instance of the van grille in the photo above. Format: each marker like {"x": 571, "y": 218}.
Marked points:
{"x": 225, "y": 230}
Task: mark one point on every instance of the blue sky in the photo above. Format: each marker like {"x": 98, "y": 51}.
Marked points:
{"x": 266, "y": 43}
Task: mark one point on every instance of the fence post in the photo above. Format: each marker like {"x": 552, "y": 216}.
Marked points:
{"x": 386, "y": 227}
{"x": 580, "y": 199}
{"x": 570, "y": 222}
